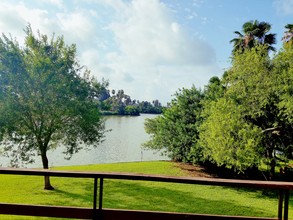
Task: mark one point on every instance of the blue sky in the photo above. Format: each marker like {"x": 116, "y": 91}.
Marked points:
{"x": 149, "y": 48}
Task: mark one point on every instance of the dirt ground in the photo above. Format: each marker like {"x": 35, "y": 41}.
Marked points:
{"x": 193, "y": 170}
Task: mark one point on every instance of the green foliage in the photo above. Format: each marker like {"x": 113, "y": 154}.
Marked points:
{"x": 101, "y": 89}
{"x": 228, "y": 139}
{"x": 131, "y": 110}
{"x": 44, "y": 99}
{"x": 251, "y": 122}
{"x": 248, "y": 78}
{"x": 176, "y": 130}
{"x": 214, "y": 90}
{"x": 147, "y": 107}
{"x": 117, "y": 102}
{"x": 121, "y": 104}
{"x": 283, "y": 76}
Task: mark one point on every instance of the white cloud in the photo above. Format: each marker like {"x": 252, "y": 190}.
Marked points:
{"x": 58, "y": 3}
{"x": 138, "y": 45}
{"x": 284, "y": 7}
{"x": 197, "y": 3}
{"x": 77, "y": 25}
{"x": 175, "y": 27}
{"x": 157, "y": 52}
{"x": 90, "y": 58}
{"x": 14, "y": 18}
{"x": 148, "y": 34}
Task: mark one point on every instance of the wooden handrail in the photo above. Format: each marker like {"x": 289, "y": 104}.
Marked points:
{"x": 154, "y": 178}
{"x": 283, "y": 187}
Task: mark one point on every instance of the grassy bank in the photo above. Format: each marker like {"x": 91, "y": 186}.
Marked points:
{"x": 139, "y": 195}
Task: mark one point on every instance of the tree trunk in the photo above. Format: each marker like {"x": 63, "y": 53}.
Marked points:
{"x": 272, "y": 159}
{"x": 272, "y": 168}
{"x": 46, "y": 178}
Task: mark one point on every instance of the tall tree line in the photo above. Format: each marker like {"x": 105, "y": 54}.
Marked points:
{"x": 120, "y": 103}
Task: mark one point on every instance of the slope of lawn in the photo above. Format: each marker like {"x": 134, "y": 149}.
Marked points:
{"x": 123, "y": 194}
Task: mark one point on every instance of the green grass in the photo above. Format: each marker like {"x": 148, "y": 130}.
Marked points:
{"x": 123, "y": 194}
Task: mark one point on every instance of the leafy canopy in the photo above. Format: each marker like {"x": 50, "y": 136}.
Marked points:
{"x": 252, "y": 122}
{"x": 176, "y": 130}
{"x": 44, "y": 98}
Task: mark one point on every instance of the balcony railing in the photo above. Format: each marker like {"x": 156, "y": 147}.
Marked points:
{"x": 98, "y": 212}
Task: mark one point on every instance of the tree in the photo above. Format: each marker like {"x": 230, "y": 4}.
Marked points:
{"x": 288, "y": 34}
{"x": 117, "y": 101}
{"x": 247, "y": 125}
{"x": 283, "y": 76}
{"x": 176, "y": 130}
{"x": 154, "y": 107}
{"x": 121, "y": 104}
{"x": 227, "y": 138}
{"x": 104, "y": 93}
{"x": 131, "y": 110}
{"x": 44, "y": 99}
{"x": 254, "y": 33}
{"x": 214, "y": 90}
{"x": 228, "y": 134}
{"x": 222, "y": 135}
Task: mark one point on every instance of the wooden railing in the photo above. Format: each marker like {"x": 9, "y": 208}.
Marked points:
{"x": 98, "y": 212}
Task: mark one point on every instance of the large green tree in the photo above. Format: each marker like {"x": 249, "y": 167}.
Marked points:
{"x": 227, "y": 138}
{"x": 45, "y": 100}
{"x": 283, "y": 78}
{"x": 251, "y": 123}
{"x": 222, "y": 135}
{"x": 176, "y": 130}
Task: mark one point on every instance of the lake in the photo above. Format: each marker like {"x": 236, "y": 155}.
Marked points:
{"x": 122, "y": 144}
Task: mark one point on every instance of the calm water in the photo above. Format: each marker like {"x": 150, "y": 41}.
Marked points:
{"x": 122, "y": 144}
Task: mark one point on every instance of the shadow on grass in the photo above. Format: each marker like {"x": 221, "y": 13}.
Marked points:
{"x": 252, "y": 173}
{"x": 138, "y": 195}
{"x": 135, "y": 195}
{"x": 263, "y": 193}
{"x": 74, "y": 192}
{"x": 83, "y": 200}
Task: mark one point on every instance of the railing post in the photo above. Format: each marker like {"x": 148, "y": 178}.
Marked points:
{"x": 98, "y": 214}
{"x": 100, "y": 211}
{"x": 280, "y": 207}
{"x": 286, "y": 205}
{"x": 101, "y": 194}
{"x": 95, "y": 198}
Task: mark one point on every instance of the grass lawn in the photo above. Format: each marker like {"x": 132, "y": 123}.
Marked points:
{"x": 123, "y": 194}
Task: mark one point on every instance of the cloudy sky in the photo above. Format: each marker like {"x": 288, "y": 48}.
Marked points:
{"x": 149, "y": 48}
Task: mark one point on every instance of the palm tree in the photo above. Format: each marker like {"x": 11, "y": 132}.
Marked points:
{"x": 239, "y": 44}
{"x": 288, "y": 34}
{"x": 254, "y": 33}
{"x": 263, "y": 38}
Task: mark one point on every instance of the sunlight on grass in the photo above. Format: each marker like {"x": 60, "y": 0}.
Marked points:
{"x": 141, "y": 195}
